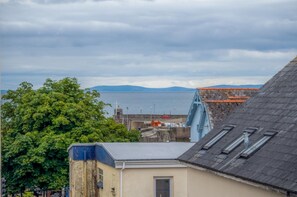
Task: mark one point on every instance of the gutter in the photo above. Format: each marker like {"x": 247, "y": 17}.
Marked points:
{"x": 121, "y": 179}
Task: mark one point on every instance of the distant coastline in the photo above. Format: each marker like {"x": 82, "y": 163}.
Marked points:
{"x": 129, "y": 88}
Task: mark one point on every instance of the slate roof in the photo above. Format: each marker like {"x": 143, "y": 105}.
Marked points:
{"x": 274, "y": 164}
{"x": 146, "y": 151}
{"x": 220, "y": 102}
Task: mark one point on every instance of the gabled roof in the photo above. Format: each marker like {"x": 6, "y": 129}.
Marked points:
{"x": 272, "y": 111}
{"x": 219, "y": 102}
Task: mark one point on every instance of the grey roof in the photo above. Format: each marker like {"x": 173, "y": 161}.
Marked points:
{"x": 274, "y": 108}
{"x": 146, "y": 151}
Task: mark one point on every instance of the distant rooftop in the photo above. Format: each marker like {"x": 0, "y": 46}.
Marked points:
{"x": 219, "y": 102}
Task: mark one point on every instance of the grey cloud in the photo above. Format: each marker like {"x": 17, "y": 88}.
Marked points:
{"x": 172, "y": 38}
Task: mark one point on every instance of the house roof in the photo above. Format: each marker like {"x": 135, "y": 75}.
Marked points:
{"x": 272, "y": 110}
{"x": 146, "y": 151}
{"x": 220, "y": 102}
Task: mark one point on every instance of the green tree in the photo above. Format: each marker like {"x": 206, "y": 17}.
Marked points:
{"x": 39, "y": 125}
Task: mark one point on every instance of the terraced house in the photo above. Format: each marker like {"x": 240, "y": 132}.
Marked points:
{"x": 253, "y": 152}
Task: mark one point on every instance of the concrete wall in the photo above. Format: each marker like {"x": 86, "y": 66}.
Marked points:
{"x": 84, "y": 177}
{"x": 203, "y": 183}
{"x": 81, "y": 181}
{"x": 140, "y": 182}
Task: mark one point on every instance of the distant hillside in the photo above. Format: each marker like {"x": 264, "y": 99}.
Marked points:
{"x": 128, "y": 88}
{"x": 237, "y": 86}
{"x": 3, "y": 92}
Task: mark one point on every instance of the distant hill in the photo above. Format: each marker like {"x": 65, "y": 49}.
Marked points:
{"x": 237, "y": 86}
{"x": 128, "y": 88}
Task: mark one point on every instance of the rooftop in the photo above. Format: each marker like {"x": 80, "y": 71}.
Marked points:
{"x": 146, "y": 151}
{"x": 269, "y": 119}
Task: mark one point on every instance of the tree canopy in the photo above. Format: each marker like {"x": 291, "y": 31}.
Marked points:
{"x": 39, "y": 125}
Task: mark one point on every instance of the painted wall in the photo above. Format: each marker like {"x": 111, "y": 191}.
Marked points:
{"x": 140, "y": 182}
{"x": 111, "y": 181}
{"x": 203, "y": 183}
{"x": 195, "y": 137}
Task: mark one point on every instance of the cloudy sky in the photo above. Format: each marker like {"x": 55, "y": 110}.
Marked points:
{"x": 152, "y": 43}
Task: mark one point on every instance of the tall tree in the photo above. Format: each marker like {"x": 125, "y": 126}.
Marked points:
{"x": 39, "y": 125}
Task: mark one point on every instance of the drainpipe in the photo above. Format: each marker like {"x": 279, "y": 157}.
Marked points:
{"x": 121, "y": 179}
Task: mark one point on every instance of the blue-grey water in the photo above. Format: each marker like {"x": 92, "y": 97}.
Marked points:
{"x": 149, "y": 103}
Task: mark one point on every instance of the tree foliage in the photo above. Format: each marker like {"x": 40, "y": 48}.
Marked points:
{"x": 39, "y": 125}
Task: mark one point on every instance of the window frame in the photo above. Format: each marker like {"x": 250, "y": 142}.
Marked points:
{"x": 170, "y": 178}
{"x": 235, "y": 143}
{"x": 226, "y": 129}
{"x": 258, "y": 144}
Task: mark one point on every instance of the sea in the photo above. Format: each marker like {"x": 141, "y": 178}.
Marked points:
{"x": 174, "y": 103}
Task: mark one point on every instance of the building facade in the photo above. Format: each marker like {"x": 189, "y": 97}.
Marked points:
{"x": 128, "y": 170}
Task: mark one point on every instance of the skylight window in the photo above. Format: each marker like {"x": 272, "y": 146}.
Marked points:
{"x": 214, "y": 140}
{"x": 238, "y": 141}
{"x": 248, "y": 152}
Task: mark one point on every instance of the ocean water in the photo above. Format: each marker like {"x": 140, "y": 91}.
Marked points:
{"x": 177, "y": 103}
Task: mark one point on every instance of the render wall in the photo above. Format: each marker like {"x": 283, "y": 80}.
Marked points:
{"x": 205, "y": 183}
{"x": 140, "y": 182}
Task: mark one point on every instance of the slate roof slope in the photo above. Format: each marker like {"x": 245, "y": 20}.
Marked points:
{"x": 274, "y": 108}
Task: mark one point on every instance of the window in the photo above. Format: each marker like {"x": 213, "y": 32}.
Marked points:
{"x": 163, "y": 187}
{"x": 248, "y": 152}
{"x": 214, "y": 140}
{"x": 237, "y": 142}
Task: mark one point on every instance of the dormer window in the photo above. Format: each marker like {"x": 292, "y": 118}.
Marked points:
{"x": 214, "y": 140}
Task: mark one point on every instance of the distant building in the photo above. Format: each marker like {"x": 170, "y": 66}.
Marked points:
{"x": 128, "y": 170}
{"x": 212, "y": 105}
{"x": 254, "y": 151}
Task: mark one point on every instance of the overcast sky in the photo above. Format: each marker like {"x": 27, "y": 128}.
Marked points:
{"x": 152, "y": 43}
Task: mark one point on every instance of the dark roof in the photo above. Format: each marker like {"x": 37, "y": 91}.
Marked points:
{"x": 274, "y": 164}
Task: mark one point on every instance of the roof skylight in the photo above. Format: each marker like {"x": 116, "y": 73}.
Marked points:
{"x": 238, "y": 141}
{"x": 248, "y": 152}
{"x": 214, "y": 140}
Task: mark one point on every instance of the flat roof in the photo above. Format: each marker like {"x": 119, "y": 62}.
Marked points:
{"x": 146, "y": 151}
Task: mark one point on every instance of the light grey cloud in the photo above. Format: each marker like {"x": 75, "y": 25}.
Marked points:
{"x": 143, "y": 39}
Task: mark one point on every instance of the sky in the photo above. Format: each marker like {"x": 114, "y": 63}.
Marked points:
{"x": 151, "y": 43}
